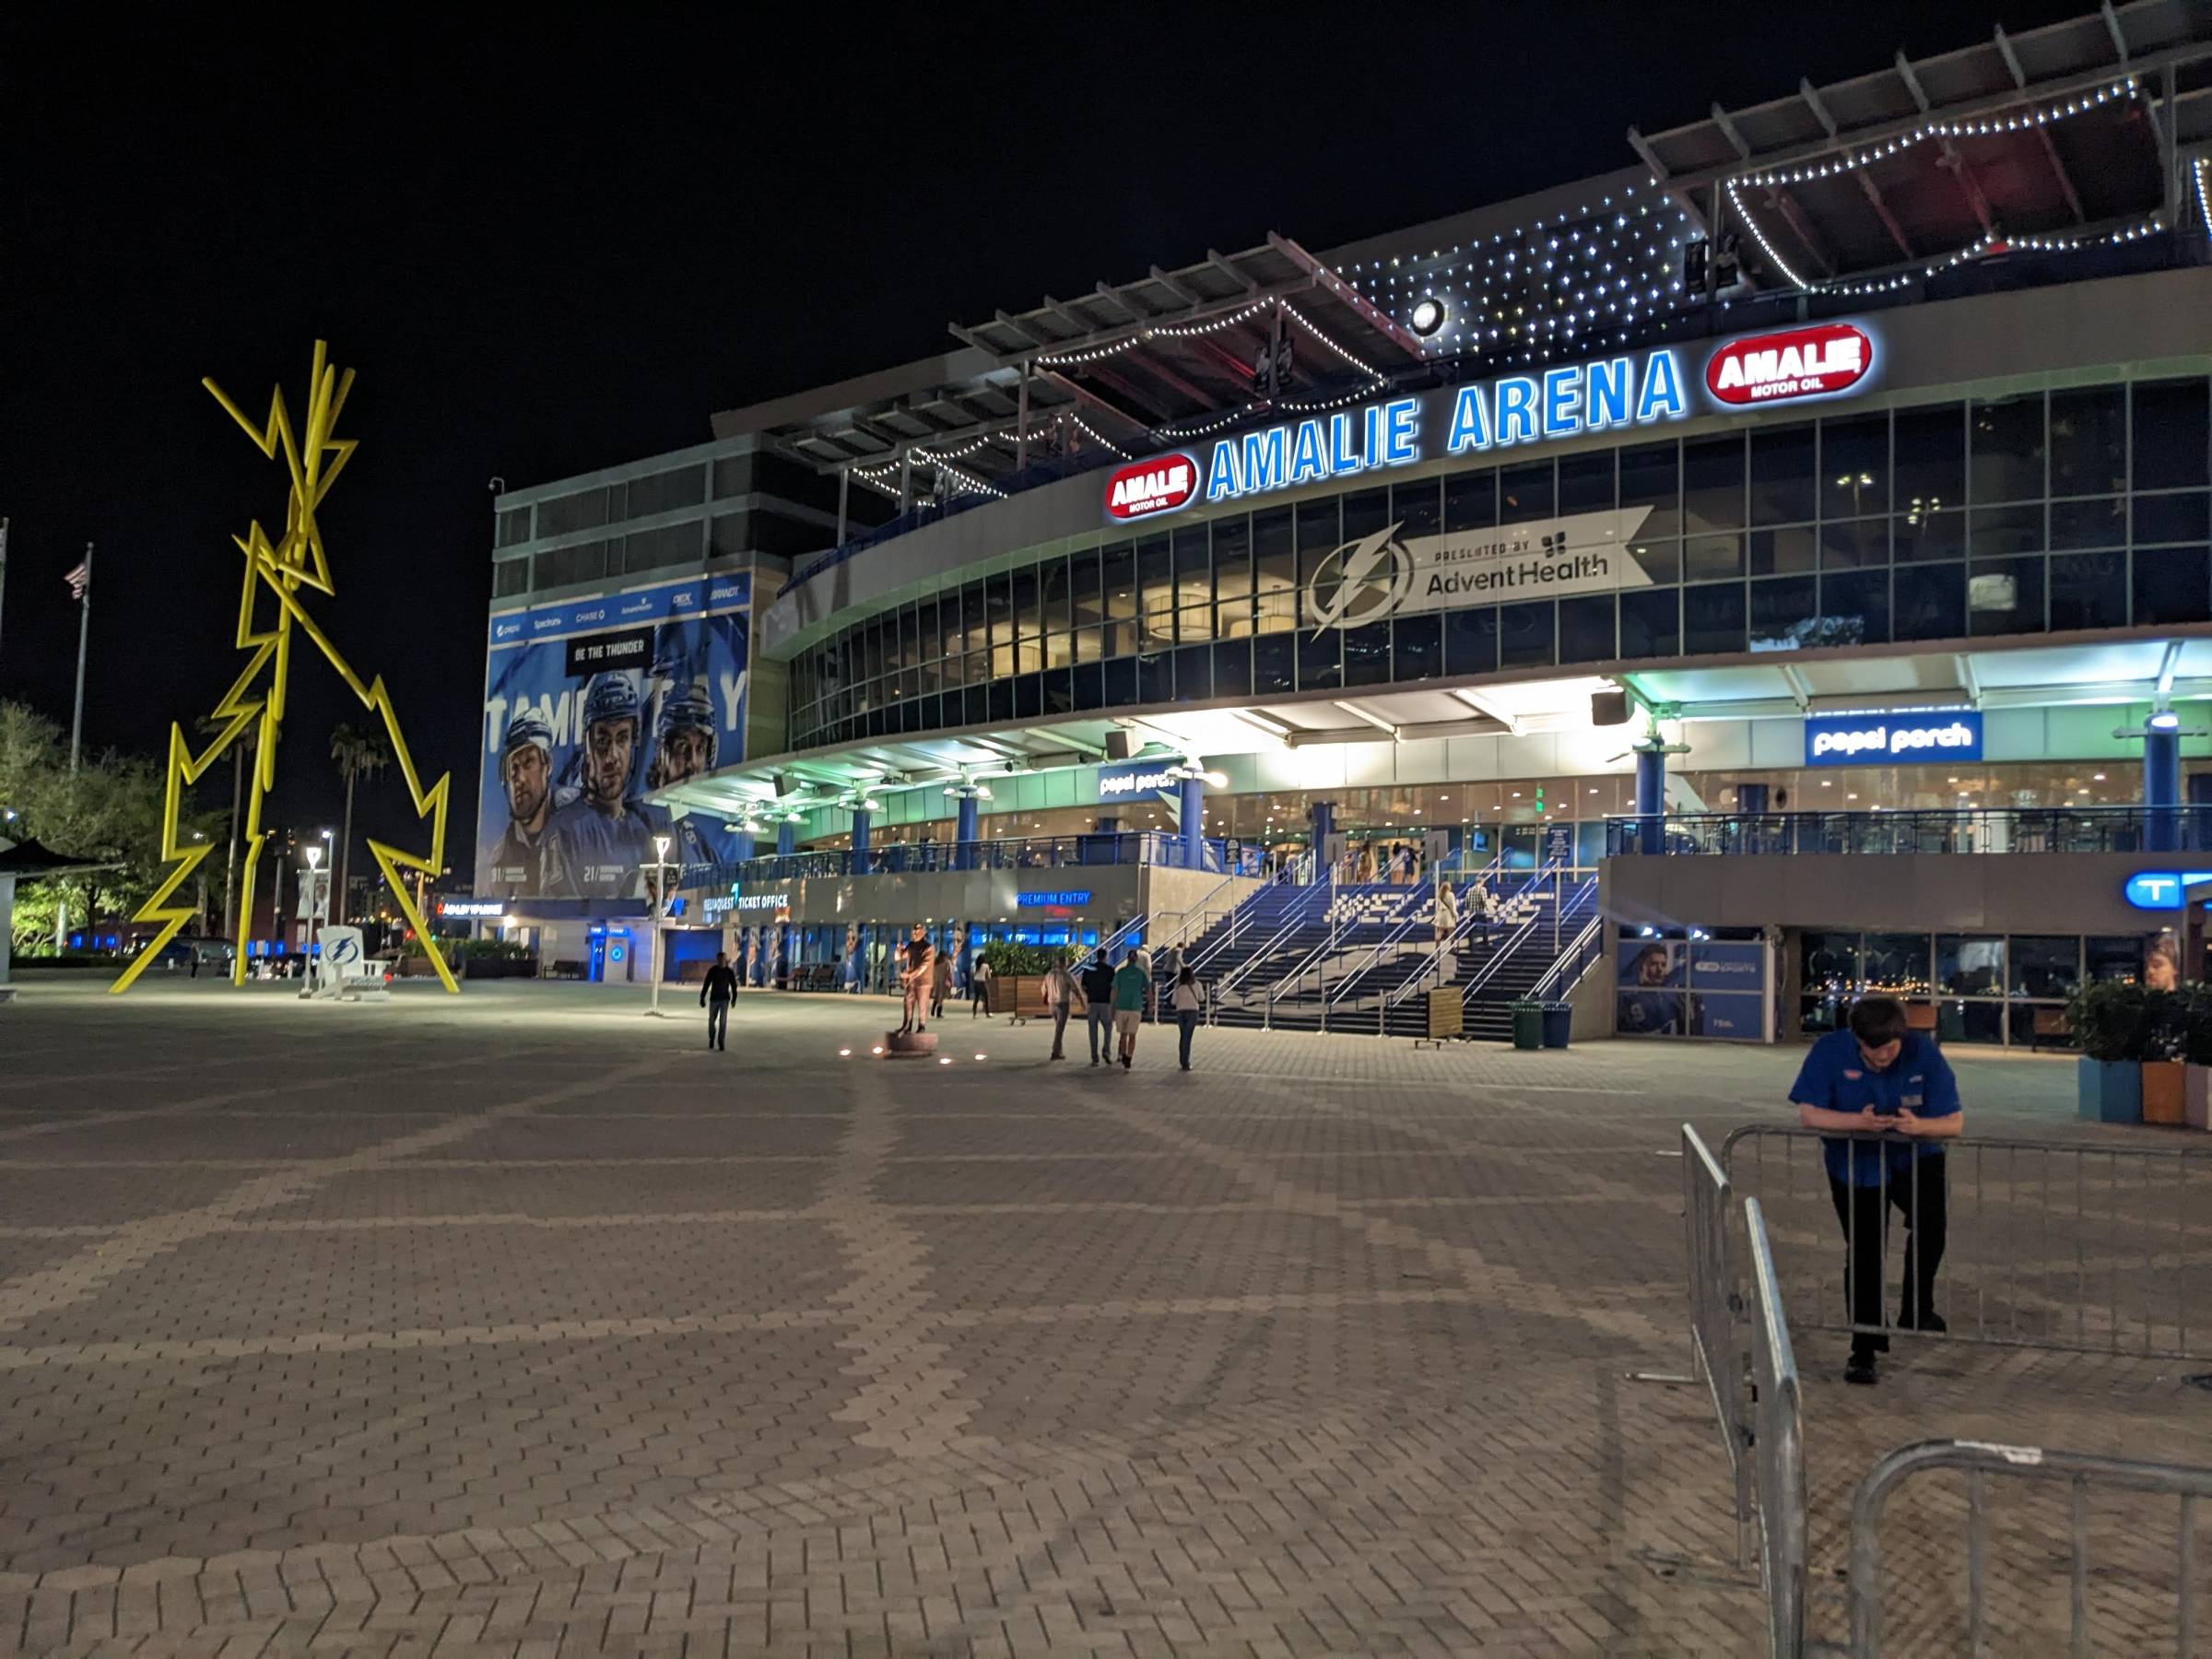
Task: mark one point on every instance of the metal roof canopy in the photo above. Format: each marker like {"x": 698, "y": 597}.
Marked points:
{"x": 2044, "y": 673}
{"x": 1103, "y": 346}
{"x": 1923, "y": 203}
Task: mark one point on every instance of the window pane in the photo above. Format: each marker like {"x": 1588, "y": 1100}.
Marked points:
{"x": 1320, "y": 659}
{"x": 1782, "y": 475}
{"x": 1273, "y": 663}
{"x": 1586, "y": 482}
{"x": 2170, "y": 586}
{"x": 1275, "y": 572}
{"x": 1713, "y": 484}
{"x": 2171, "y": 435}
{"x": 1713, "y": 617}
{"x": 1931, "y": 458}
{"x": 1524, "y": 493}
{"x": 1778, "y": 552}
{"x": 1232, "y": 578}
{"x": 1471, "y": 500}
{"x": 1232, "y": 668}
{"x": 1156, "y": 612}
{"x": 1053, "y": 578}
{"x": 2089, "y": 590}
{"x": 1525, "y": 635}
{"x": 1930, "y": 602}
{"x": 1029, "y": 618}
{"x": 1365, "y": 512}
{"x": 1650, "y": 624}
{"x": 1854, "y": 466}
{"x": 1853, "y": 542}
{"x": 2095, "y": 521}
{"x": 1418, "y": 642}
{"x": 2172, "y": 518}
{"x": 2045, "y": 966}
{"x": 1921, "y": 536}
{"x": 2005, "y": 530}
{"x": 2006, "y": 439}
{"x": 1894, "y": 964}
{"x": 1471, "y": 640}
{"x": 1194, "y": 673}
{"x": 1784, "y": 615}
{"x": 1855, "y": 608}
{"x": 1418, "y": 507}
{"x": 1651, "y": 475}
{"x": 2088, "y": 441}
{"x": 1367, "y": 655}
{"x": 1586, "y": 629}
{"x": 2004, "y": 596}
{"x": 1710, "y": 558}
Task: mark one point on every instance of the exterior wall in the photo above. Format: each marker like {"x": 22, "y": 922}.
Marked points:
{"x": 1998, "y": 892}
{"x": 1172, "y": 897}
{"x": 945, "y": 895}
{"x": 2071, "y": 333}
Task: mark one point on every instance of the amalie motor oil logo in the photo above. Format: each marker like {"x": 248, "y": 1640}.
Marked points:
{"x": 1819, "y": 361}
{"x": 1156, "y": 485}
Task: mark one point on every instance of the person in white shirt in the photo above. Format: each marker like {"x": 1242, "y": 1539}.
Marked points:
{"x": 1059, "y": 1000}
{"x": 1188, "y": 1000}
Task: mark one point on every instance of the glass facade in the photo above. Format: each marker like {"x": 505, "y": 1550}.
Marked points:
{"x": 1985, "y": 987}
{"x": 1979, "y": 518}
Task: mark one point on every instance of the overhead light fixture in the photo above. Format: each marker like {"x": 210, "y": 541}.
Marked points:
{"x": 1429, "y": 316}
{"x": 2164, "y": 720}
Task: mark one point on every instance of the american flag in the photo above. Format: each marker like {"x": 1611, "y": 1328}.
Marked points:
{"x": 79, "y": 579}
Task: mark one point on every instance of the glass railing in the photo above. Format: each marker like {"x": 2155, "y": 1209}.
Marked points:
{"x": 1154, "y": 847}
{"x": 1968, "y": 830}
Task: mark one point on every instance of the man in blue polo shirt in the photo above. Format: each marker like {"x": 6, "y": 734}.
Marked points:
{"x": 1878, "y": 1078}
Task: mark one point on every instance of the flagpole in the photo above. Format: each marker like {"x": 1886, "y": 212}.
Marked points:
{"x": 83, "y": 632}
{"x": 77, "y": 733}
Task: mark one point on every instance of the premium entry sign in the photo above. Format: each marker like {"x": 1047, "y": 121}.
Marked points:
{"x": 1894, "y": 735}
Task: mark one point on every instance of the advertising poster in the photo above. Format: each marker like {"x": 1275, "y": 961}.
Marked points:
{"x": 590, "y": 705}
{"x": 1652, "y": 1000}
{"x": 1728, "y": 991}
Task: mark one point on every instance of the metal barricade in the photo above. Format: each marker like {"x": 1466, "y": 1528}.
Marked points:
{"x": 1716, "y": 1302}
{"x": 1777, "y": 1448}
{"x": 2039, "y": 1244}
{"x": 2083, "y": 1472}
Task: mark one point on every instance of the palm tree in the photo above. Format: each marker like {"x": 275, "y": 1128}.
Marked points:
{"x": 355, "y": 751}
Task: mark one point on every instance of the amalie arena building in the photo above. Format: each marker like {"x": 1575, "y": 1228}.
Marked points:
{"x": 1779, "y": 570}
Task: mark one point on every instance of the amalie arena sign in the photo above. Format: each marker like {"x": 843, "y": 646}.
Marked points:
{"x": 1514, "y": 411}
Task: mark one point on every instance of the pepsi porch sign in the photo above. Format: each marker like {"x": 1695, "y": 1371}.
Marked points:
{"x": 1892, "y": 736}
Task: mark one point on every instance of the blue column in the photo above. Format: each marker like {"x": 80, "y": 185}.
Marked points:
{"x": 1194, "y": 823}
{"x": 787, "y": 838}
{"x": 1651, "y": 799}
{"x": 741, "y": 845}
{"x": 1751, "y": 797}
{"x": 969, "y": 832}
{"x": 2161, "y": 789}
{"x": 860, "y": 841}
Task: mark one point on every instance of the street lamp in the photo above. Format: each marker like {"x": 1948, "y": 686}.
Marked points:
{"x": 660, "y": 903}
{"x": 314, "y": 909}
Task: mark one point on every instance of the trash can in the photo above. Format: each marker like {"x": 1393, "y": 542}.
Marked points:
{"x": 1558, "y": 1019}
{"x": 1528, "y": 1025}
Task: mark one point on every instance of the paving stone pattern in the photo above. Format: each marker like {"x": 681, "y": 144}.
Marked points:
{"x": 521, "y": 1324}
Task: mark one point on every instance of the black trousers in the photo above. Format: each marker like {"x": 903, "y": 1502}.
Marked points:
{"x": 1863, "y": 1214}
{"x": 718, "y": 1024}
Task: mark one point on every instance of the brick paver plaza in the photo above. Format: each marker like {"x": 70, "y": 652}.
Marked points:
{"x": 519, "y": 1324}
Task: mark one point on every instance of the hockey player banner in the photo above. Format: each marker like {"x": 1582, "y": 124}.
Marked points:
{"x": 591, "y": 705}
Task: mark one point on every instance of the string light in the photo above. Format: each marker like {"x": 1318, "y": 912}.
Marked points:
{"x": 2202, "y": 169}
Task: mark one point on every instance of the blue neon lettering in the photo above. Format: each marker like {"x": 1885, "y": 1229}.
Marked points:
{"x": 1562, "y": 403}
{"x": 1470, "y": 422}
{"x": 1343, "y": 458}
{"x": 1402, "y": 432}
{"x": 1306, "y": 462}
{"x": 1371, "y": 434}
{"x": 1224, "y": 479}
{"x": 1608, "y": 394}
{"x": 1662, "y": 389}
{"x": 1264, "y": 460}
{"x": 1516, "y": 410}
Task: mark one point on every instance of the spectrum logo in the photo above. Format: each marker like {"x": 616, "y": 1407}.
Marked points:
{"x": 1799, "y": 362}
{"x": 1147, "y": 489}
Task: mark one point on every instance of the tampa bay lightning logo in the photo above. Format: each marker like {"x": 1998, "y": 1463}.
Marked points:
{"x": 1364, "y": 581}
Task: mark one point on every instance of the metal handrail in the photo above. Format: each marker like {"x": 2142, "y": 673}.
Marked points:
{"x": 1573, "y": 953}
{"x": 1120, "y": 935}
{"x": 1500, "y": 955}
{"x": 1390, "y": 941}
{"x": 1198, "y": 907}
{"x": 1450, "y": 944}
{"x": 1777, "y": 1447}
{"x": 1243, "y": 971}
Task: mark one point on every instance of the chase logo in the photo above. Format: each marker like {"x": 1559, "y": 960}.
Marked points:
{"x": 2163, "y": 889}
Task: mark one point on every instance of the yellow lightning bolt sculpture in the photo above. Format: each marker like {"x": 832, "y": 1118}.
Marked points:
{"x": 313, "y": 458}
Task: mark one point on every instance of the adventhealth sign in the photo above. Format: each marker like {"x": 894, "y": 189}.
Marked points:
{"x": 1619, "y": 393}
{"x": 1925, "y": 734}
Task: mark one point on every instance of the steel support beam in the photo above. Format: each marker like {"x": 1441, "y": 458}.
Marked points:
{"x": 1868, "y": 187}
{"x": 1953, "y": 157}
{"x": 2058, "y": 168}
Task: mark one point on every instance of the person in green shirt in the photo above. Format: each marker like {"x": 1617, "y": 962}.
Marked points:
{"x": 1132, "y": 985}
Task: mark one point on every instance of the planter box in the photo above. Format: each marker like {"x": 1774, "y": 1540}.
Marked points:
{"x": 2196, "y": 1096}
{"x": 2162, "y": 1092}
{"x": 2111, "y": 1091}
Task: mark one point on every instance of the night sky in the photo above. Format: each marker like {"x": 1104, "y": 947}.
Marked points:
{"x": 560, "y": 245}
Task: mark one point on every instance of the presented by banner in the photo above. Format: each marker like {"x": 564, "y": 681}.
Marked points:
{"x": 590, "y": 705}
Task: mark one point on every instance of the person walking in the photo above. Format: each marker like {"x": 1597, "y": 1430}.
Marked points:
{"x": 1060, "y": 993}
{"x": 1188, "y": 1000}
{"x": 716, "y": 991}
{"x": 1131, "y": 986}
{"x": 979, "y": 988}
{"x": 1098, "y": 997}
{"x": 940, "y": 985}
{"x": 1879, "y": 1078}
